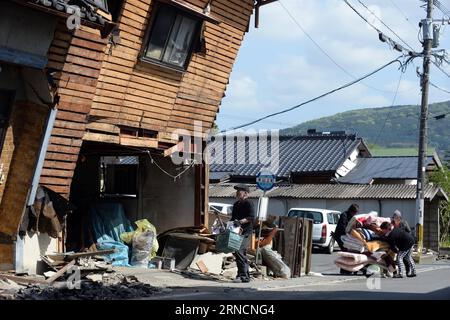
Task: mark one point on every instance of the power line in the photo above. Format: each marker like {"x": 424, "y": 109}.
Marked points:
{"x": 324, "y": 51}
{"x": 440, "y": 68}
{"x": 240, "y": 117}
{"x": 403, "y": 14}
{"x": 381, "y": 35}
{"x": 320, "y": 96}
{"x": 389, "y": 28}
{"x": 439, "y": 88}
{"x": 392, "y": 104}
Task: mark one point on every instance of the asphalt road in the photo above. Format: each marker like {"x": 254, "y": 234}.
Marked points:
{"x": 432, "y": 282}
{"x": 324, "y": 263}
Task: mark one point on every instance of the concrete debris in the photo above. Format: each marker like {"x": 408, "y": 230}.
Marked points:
{"x": 95, "y": 277}
{"x": 49, "y": 274}
{"x": 88, "y": 291}
{"x": 107, "y": 286}
{"x": 230, "y": 273}
{"x": 212, "y": 261}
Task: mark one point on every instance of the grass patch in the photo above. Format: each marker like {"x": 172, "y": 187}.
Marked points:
{"x": 390, "y": 152}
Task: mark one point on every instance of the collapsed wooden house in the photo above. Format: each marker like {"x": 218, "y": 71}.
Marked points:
{"x": 92, "y": 113}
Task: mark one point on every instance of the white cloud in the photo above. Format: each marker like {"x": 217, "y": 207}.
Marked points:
{"x": 242, "y": 93}
{"x": 282, "y": 67}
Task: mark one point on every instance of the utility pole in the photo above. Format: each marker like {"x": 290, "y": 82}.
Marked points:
{"x": 427, "y": 26}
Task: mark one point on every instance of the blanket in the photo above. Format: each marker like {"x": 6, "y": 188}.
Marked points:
{"x": 351, "y": 258}
{"x": 376, "y": 245}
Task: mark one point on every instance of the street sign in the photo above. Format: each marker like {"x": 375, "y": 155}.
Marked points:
{"x": 265, "y": 180}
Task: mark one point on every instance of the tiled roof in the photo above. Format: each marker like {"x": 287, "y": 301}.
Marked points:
{"x": 368, "y": 169}
{"x": 332, "y": 191}
{"x": 296, "y": 154}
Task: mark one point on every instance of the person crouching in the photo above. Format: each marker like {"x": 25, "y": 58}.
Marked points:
{"x": 401, "y": 242}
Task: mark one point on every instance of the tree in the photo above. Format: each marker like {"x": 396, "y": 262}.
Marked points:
{"x": 442, "y": 179}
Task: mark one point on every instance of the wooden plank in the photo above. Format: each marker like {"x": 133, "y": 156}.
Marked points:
{"x": 95, "y": 64}
{"x": 98, "y": 137}
{"x": 57, "y": 173}
{"x": 52, "y": 164}
{"x": 81, "y": 52}
{"x": 104, "y": 127}
{"x": 63, "y": 149}
{"x": 88, "y": 45}
{"x": 62, "y": 190}
{"x": 22, "y": 280}
{"x": 65, "y": 141}
{"x": 139, "y": 142}
{"x": 68, "y": 133}
{"x": 71, "y": 116}
{"x": 63, "y": 124}
{"x": 56, "y": 181}
{"x": 81, "y": 70}
{"x": 73, "y": 106}
{"x": 74, "y": 93}
{"x": 61, "y": 157}
{"x": 61, "y": 272}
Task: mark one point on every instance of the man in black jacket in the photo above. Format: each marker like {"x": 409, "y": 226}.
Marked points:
{"x": 244, "y": 214}
{"x": 401, "y": 242}
{"x": 344, "y": 218}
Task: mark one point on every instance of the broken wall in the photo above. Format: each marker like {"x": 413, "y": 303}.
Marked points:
{"x": 164, "y": 202}
{"x": 21, "y": 150}
{"x": 34, "y": 245}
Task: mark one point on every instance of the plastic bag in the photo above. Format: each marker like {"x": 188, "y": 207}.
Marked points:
{"x": 233, "y": 227}
{"x": 119, "y": 257}
{"x": 142, "y": 226}
{"x": 142, "y": 247}
{"x": 273, "y": 260}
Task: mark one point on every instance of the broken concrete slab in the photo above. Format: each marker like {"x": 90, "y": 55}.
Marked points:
{"x": 212, "y": 261}
{"x": 49, "y": 274}
{"x": 95, "y": 277}
{"x": 230, "y": 273}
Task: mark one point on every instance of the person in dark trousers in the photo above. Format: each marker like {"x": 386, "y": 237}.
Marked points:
{"x": 244, "y": 214}
{"x": 399, "y": 222}
{"x": 401, "y": 242}
{"x": 344, "y": 219}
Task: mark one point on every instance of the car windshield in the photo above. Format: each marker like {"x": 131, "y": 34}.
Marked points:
{"x": 314, "y": 215}
{"x": 218, "y": 208}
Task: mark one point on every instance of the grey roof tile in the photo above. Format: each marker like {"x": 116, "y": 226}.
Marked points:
{"x": 296, "y": 155}
{"x": 368, "y": 169}
{"x": 332, "y": 191}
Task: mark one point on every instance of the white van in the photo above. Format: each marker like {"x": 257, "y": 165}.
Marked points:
{"x": 325, "y": 222}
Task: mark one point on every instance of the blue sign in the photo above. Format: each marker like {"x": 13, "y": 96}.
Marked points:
{"x": 265, "y": 180}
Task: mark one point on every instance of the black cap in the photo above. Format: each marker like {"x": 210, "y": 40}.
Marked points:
{"x": 241, "y": 187}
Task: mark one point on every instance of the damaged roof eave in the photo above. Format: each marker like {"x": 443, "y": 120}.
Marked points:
{"x": 105, "y": 26}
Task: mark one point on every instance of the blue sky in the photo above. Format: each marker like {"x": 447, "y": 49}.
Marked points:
{"x": 278, "y": 66}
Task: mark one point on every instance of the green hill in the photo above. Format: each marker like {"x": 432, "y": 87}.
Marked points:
{"x": 388, "y": 127}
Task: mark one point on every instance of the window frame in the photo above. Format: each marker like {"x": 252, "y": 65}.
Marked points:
{"x": 150, "y": 27}
{"x": 103, "y": 174}
{"x": 10, "y": 96}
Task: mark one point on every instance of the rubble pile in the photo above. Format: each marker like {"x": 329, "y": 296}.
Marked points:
{"x": 127, "y": 288}
{"x": 111, "y": 286}
{"x": 74, "y": 276}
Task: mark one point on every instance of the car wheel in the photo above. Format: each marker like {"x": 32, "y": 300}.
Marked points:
{"x": 330, "y": 247}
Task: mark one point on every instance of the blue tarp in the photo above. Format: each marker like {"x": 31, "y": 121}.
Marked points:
{"x": 108, "y": 221}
